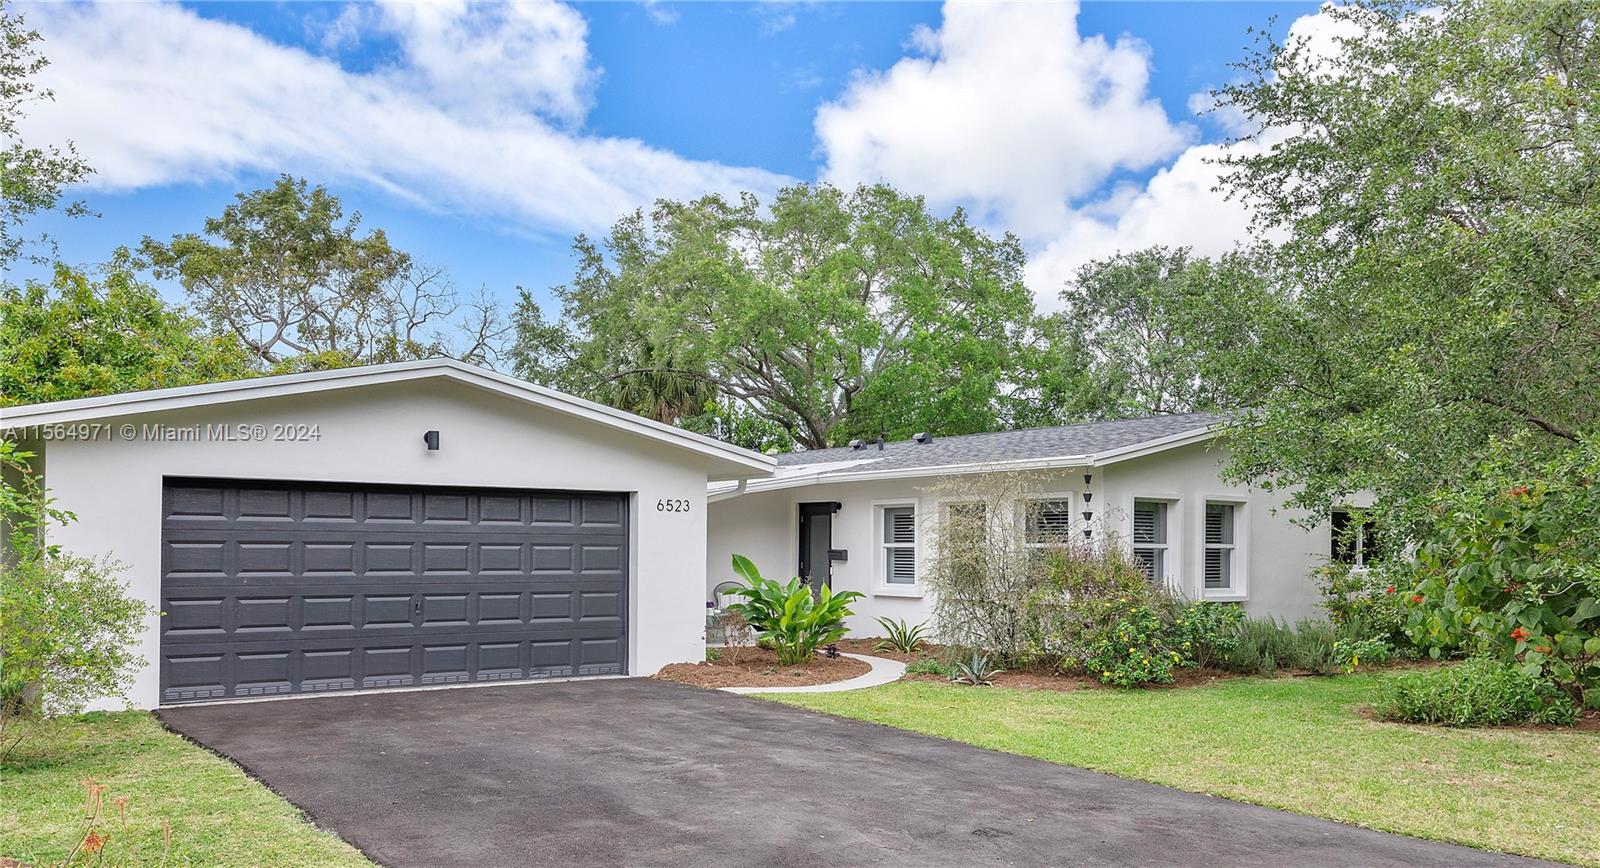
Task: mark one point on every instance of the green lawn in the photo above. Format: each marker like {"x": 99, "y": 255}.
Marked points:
{"x": 218, "y": 815}
{"x": 1291, "y": 743}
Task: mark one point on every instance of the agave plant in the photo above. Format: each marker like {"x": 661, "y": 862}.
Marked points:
{"x": 974, "y": 672}
{"x": 899, "y": 636}
{"x": 787, "y": 616}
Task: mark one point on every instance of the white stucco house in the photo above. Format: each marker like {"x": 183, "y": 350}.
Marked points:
{"x": 859, "y": 518}
{"x": 422, "y": 523}
{"x": 432, "y": 523}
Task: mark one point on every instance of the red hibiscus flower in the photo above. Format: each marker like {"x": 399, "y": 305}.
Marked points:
{"x": 1416, "y": 598}
{"x": 1389, "y": 590}
{"x": 1520, "y": 634}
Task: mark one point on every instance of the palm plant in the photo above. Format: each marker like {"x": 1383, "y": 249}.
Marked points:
{"x": 899, "y": 636}
{"x": 787, "y": 616}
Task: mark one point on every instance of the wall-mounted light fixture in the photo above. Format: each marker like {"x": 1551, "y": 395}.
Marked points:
{"x": 432, "y": 439}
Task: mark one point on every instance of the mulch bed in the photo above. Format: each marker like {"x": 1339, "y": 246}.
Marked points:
{"x": 866, "y": 646}
{"x": 758, "y": 667}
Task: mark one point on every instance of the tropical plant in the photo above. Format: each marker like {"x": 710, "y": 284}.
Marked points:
{"x": 1482, "y": 691}
{"x": 788, "y": 616}
{"x": 899, "y": 636}
{"x": 1510, "y": 567}
{"x": 1134, "y": 651}
{"x": 1203, "y": 633}
{"x": 975, "y": 671}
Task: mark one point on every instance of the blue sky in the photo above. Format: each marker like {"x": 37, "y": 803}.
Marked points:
{"x": 647, "y": 100}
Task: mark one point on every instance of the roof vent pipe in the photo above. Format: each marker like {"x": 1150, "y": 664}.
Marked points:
{"x": 923, "y": 437}
{"x": 856, "y": 444}
{"x": 880, "y": 442}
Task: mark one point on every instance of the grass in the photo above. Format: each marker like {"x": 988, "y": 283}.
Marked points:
{"x": 1292, "y": 743}
{"x": 218, "y": 815}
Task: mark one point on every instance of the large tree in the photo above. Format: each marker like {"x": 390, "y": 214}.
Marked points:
{"x": 1437, "y": 181}
{"x": 32, "y": 178}
{"x": 832, "y": 314}
{"x": 1153, "y": 323}
{"x": 85, "y": 334}
{"x": 283, "y": 270}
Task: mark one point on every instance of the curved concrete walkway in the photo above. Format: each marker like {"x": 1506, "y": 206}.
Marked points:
{"x": 883, "y": 671}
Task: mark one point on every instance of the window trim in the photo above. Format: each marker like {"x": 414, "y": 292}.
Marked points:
{"x": 1171, "y": 553}
{"x": 880, "y": 547}
{"x": 1239, "y": 589}
{"x": 1074, "y": 522}
{"x": 1177, "y": 535}
{"x": 1358, "y": 562}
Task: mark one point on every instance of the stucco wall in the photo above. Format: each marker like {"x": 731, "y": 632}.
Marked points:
{"x": 1277, "y": 554}
{"x": 374, "y": 435}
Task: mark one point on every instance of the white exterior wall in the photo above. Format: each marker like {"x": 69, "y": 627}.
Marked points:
{"x": 373, "y": 434}
{"x": 1276, "y": 555}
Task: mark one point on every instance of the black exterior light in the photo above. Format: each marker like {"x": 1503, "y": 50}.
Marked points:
{"x": 432, "y": 439}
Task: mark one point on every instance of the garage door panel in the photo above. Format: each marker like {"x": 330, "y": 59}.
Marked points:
{"x": 269, "y": 588}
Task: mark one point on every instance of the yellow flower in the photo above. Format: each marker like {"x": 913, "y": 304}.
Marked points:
{"x": 1106, "y": 674}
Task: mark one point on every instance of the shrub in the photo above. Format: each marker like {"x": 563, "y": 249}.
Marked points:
{"x": 1510, "y": 566}
{"x": 899, "y": 636}
{"x": 1368, "y": 603}
{"x": 788, "y": 616}
{"x": 1351, "y": 654}
{"x": 1265, "y": 645}
{"x": 1205, "y": 632}
{"x": 1483, "y": 691}
{"x": 929, "y": 666}
{"x": 1135, "y": 651}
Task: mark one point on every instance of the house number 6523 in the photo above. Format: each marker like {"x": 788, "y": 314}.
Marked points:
{"x": 672, "y": 504}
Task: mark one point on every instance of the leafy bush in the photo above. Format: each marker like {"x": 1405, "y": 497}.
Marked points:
{"x": 787, "y": 615}
{"x": 974, "y": 672}
{"x": 1351, "y": 654}
{"x": 67, "y": 627}
{"x": 1510, "y": 566}
{"x": 1135, "y": 651}
{"x": 1367, "y": 604}
{"x": 928, "y": 666}
{"x": 899, "y": 636}
{"x": 1483, "y": 691}
{"x": 1204, "y": 632}
{"x": 713, "y": 655}
{"x": 1265, "y": 645}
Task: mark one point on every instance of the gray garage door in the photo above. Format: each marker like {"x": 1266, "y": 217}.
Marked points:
{"x": 273, "y": 588}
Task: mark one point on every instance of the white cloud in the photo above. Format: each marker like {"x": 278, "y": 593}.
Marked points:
{"x": 155, "y": 94}
{"x": 1005, "y": 109}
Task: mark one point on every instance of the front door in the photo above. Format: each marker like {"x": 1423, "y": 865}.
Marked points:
{"x": 816, "y": 538}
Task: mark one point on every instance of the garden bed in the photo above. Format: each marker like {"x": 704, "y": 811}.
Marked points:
{"x": 868, "y": 647}
{"x": 758, "y": 667}
{"x": 1047, "y": 680}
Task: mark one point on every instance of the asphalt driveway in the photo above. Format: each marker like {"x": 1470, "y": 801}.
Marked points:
{"x": 642, "y": 772}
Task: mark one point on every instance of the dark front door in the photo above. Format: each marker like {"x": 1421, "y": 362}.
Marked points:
{"x": 816, "y": 538}
{"x": 273, "y": 587}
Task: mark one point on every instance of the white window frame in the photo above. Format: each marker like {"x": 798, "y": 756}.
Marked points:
{"x": 1074, "y": 506}
{"x": 1170, "y": 551}
{"x": 1177, "y": 534}
{"x": 881, "y": 586}
{"x": 1359, "y": 564}
{"x": 1239, "y": 586}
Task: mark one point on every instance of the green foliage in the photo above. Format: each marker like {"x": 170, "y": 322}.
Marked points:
{"x": 1352, "y": 654}
{"x": 724, "y": 420}
{"x": 31, "y": 177}
{"x": 975, "y": 671}
{"x": 1480, "y": 692}
{"x": 929, "y": 666}
{"x": 1437, "y": 288}
{"x": 788, "y": 617}
{"x": 1510, "y": 566}
{"x": 81, "y": 336}
{"x": 830, "y": 313}
{"x": 26, "y": 507}
{"x": 900, "y": 636}
{"x": 1266, "y": 645}
{"x": 1153, "y": 337}
{"x": 279, "y": 270}
{"x": 1367, "y": 604}
{"x": 1134, "y": 651}
{"x": 67, "y": 627}
{"x": 713, "y": 655}
{"x": 1205, "y": 632}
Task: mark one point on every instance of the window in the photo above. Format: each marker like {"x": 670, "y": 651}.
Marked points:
{"x": 1150, "y": 538}
{"x": 1220, "y": 549}
{"x": 899, "y": 545}
{"x": 1352, "y": 544}
{"x": 1048, "y": 522}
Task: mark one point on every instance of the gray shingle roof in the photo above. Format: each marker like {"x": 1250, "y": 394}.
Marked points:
{"x": 1030, "y": 443}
